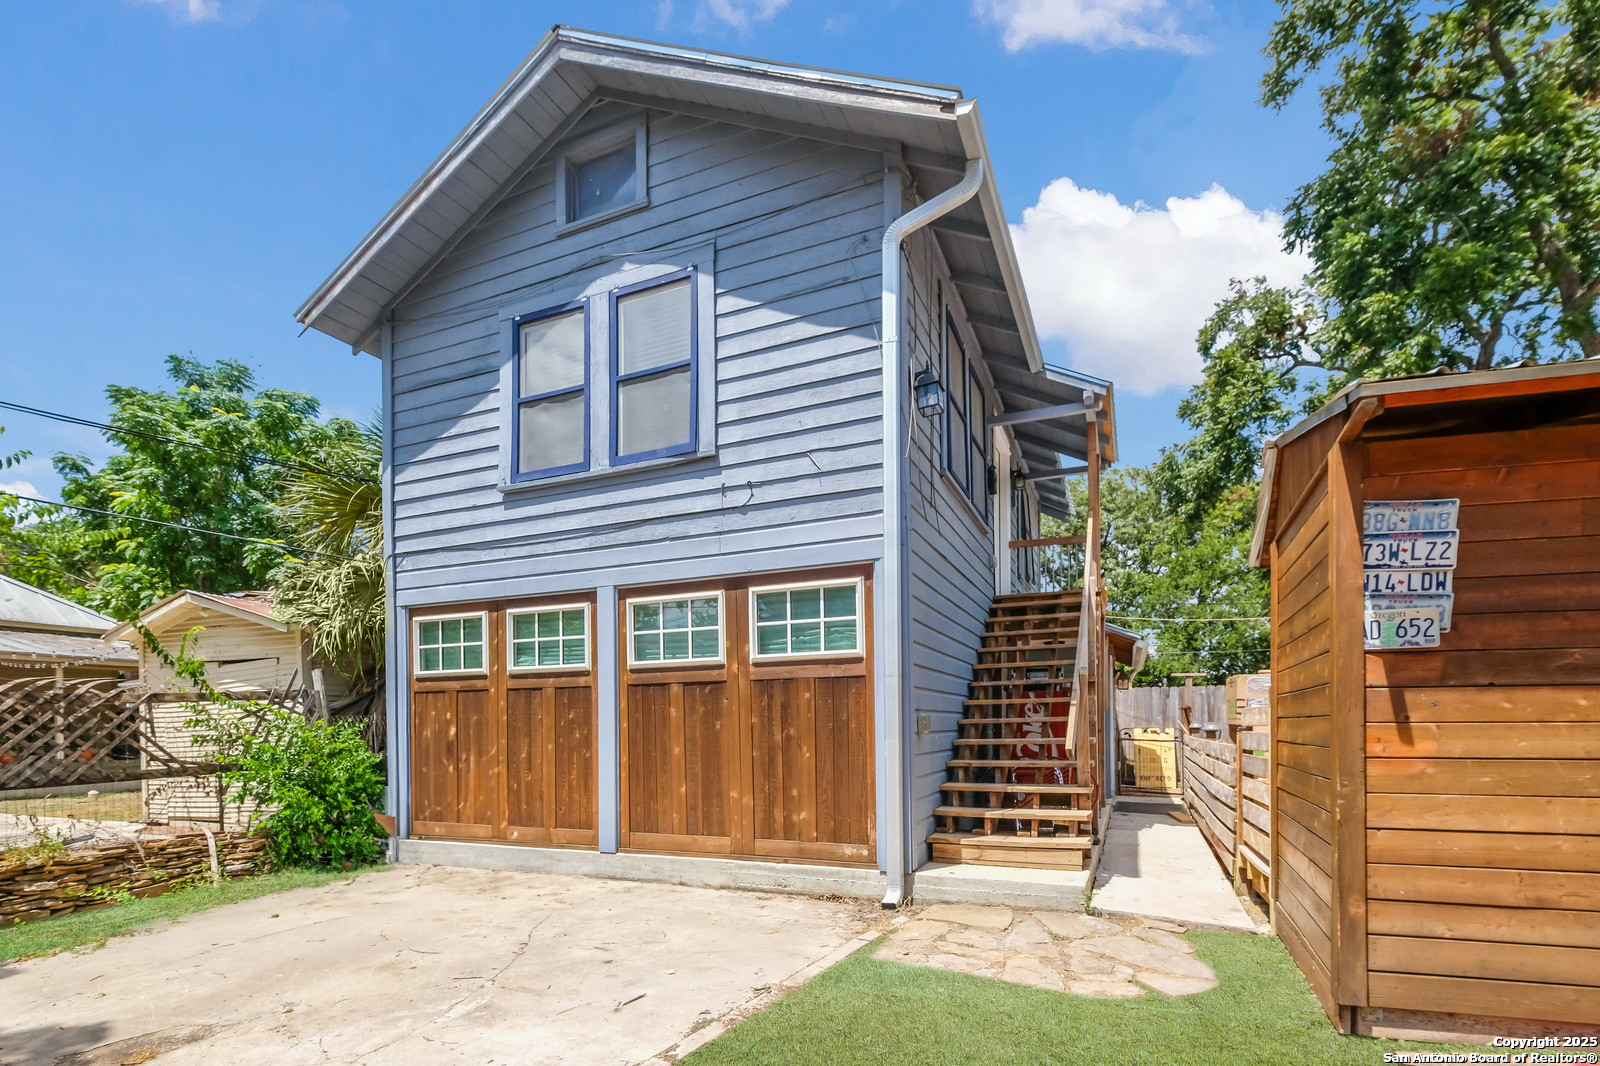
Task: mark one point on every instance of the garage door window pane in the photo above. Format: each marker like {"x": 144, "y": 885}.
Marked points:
{"x": 676, "y": 630}
{"x": 550, "y": 638}
{"x": 803, "y": 620}
{"x": 450, "y": 645}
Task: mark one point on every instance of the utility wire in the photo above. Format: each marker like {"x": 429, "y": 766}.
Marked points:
{"x": 1147, "y": 618}
{"x": 287, "y": 548}
{"x": 254, "y": 457}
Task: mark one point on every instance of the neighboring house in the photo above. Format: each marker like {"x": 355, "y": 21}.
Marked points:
{"x": 247, "y": 652}
{"x": 44, "y": 635}
{"x": 714, "y": 413}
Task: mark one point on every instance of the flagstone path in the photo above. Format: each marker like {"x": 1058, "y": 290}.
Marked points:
{"x": 1051, "y": 949}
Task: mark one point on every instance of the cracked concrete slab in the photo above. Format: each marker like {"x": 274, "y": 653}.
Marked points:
{"x": 425, "y": 965}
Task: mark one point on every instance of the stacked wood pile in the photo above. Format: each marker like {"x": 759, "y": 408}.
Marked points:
{"x": 47, "y": 887}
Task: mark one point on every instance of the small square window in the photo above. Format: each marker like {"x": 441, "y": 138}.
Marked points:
{"x": 602, "y": 175}
{"x": 450, "y": 645}
{"x": 803, "y": 620}
{"x": 549, "y": 638}
{"x": 680, "y": 629}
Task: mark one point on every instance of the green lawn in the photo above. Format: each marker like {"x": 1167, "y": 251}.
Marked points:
{"x": 874, "y": 1013}
{"x": 47, "y": 937}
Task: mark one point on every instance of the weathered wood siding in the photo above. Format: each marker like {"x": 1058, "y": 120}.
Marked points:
{"x": 1483, "y": 757}
{"x": 797, "y": 477}
{"x": 240, "y": 656}
{"x": 1302, "y": 773}
{"x": 951, "y": 578}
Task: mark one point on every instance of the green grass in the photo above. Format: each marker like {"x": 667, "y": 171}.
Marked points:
{"x": 874, "y": 1013}
{"x": 102, "y": 807}
{"x": 92, "y": 928}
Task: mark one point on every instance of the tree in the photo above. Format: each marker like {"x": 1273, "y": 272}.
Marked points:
{"x": 335, "y": 508}
{"x": 1460, "y": 208}
{"x": 209, "y": 456}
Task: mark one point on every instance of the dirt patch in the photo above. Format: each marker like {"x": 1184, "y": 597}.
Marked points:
{"x": 139, "y": 1049}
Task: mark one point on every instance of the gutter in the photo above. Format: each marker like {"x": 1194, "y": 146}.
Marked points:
{"x": 894, "y": 635}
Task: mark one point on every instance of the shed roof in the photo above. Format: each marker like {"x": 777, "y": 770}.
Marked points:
{"x": 23, "y": 606}
{"x": 1412, "y": 394}
{"x": 249, "y": 606}
{"x": 934, "y": 129}
{"x": 64, "y": 649}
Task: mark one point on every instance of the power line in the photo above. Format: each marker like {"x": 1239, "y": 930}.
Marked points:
{"x": 1148, "y": 618}
{"x": 254, "y": 457}
{"x": 176, "y": 525}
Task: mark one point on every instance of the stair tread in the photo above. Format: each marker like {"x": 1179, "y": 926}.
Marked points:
{"x": 1014, "y": 721}
{"x": 1021, "y": 682}
{"x": 1032, "y": 631}
{"x": 1021, "y": 597}
{"x": 1014, "y": 701}
{"x": 1045, "y": 790}
{"x": 1024, "y": 665}
{"x": 1064, "y": 814}
{"x": 1006, "y": 840}
{"x": 997, "y": 741}
{"x": 1043, "y": 764}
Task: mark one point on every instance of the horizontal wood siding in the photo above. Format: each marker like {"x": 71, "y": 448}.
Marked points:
{"x": 951, "y": 579}
{"x": 1302, "y": 774}
{"x": 797, "y": 476}
{"x": 1483, "y": 757}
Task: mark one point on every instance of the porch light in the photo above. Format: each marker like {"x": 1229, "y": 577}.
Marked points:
{"x": 929, "y": 392}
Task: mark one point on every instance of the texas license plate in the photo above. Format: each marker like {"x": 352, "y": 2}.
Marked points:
{"x": 1409, "y": 516}
{"x": 1408, "y": 582}
{"x": 1410, "y": 551}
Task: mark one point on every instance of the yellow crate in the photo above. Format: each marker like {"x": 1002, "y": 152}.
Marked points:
{"x": 1155, "y": 761}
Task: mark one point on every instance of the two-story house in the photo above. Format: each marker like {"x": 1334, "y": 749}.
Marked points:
{"x": 715, "y": 423}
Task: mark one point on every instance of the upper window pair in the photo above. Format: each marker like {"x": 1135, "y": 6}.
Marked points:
{"x": 650, "y": 379}
{"x": 966, "y": 451}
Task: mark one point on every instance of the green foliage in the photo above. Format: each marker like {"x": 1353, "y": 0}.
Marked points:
{"x": 1460, "y": 207}
{"x": 336, "y": 507}
{"x": 317, "y": 781}
{"x": 189, "y": 456}
{"x": 38, "y": 847}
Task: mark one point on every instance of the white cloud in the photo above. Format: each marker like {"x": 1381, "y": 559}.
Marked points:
{"x": 20, "y": 488}
{"x": 1094, "y": 24}
{"x": 739, "y": 14}
{"x": 188, "y": 10}
{"x": 1128, "y": 287}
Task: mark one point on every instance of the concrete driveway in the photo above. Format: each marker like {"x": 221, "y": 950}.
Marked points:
{"x": 425, "y": 965}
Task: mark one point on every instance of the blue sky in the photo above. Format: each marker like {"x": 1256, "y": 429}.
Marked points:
{"x": 180, "y": 174}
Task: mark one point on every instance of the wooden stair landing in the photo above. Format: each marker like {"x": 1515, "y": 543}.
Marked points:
{"x": 1013, "y": 793}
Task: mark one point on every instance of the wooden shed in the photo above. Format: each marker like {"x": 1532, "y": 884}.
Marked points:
{"x": 1435, "y": 552}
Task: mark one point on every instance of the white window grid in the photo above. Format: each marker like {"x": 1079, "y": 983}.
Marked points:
{"x": 482, "y": 644}
{"x": 559, "y": 640}
{"x": 686, "y": 597}
{"x": 858, "y": 618}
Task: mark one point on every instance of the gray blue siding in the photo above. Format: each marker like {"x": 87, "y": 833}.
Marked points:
{"x": 793, "y": 226}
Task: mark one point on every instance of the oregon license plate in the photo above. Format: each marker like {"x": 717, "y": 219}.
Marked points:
{"x": 1410, "y": 551}
{"x": 1444, "y": 604}
{"x": 1410, "y": 627}
{"x": 1408, "y": 582}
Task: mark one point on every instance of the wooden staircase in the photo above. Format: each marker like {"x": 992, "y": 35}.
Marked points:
{"x": 1016, "y": 794}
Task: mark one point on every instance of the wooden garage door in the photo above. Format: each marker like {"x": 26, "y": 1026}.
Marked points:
{"x": 749, "y": 756}
{"x": 503, "y": 722}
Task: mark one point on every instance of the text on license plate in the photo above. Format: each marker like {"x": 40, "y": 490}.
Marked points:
{"x": 1410, "y": 551}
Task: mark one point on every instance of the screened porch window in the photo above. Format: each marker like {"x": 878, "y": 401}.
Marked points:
{"x": 653, "y": 368}
{"x": 789, "y": 621}
{"x": 549, "y": 638}
{"x": 450, "y": 645}
{"x": 551, "y": 427}
{"x": 680, "y": 629}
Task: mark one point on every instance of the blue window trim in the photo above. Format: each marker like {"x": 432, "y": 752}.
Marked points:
{"x": 978, "y": 447}
{"x": 517, "y": 473}
{"x": 956, "y": 404}
{"x": 693, "y": 363}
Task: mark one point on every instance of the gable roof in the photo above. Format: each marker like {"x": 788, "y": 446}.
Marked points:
{"x": 1413, "y": 393}
{"x": 933, "y": 129}
{"x": 248, "y": 606}
{"x": 23, "y": 606}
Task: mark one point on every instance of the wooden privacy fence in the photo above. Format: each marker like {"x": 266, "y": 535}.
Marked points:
{"x": 1226, "y": 777}
{"x": 1161, "y": 707}
{"x": 80, "y": 732}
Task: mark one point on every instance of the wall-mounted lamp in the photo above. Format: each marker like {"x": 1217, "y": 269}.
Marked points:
{"x": 929, "y": 392}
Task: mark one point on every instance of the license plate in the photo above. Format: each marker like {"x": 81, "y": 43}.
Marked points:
{"x": 1444, "y": 604}
{"x": 1411, "y": 627}
{"x": 1410, "y": 551}
{"x": 1409, "y": 516}
{"x": 1408, "y": 582}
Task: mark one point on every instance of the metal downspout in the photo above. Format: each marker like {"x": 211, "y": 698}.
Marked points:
{"x": 892, "y": 690}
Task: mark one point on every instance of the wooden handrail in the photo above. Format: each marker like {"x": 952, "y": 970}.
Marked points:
{"x": 1047, "y": 542}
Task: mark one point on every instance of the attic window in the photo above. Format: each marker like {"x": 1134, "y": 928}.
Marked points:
{"x": 602, "y": 175}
